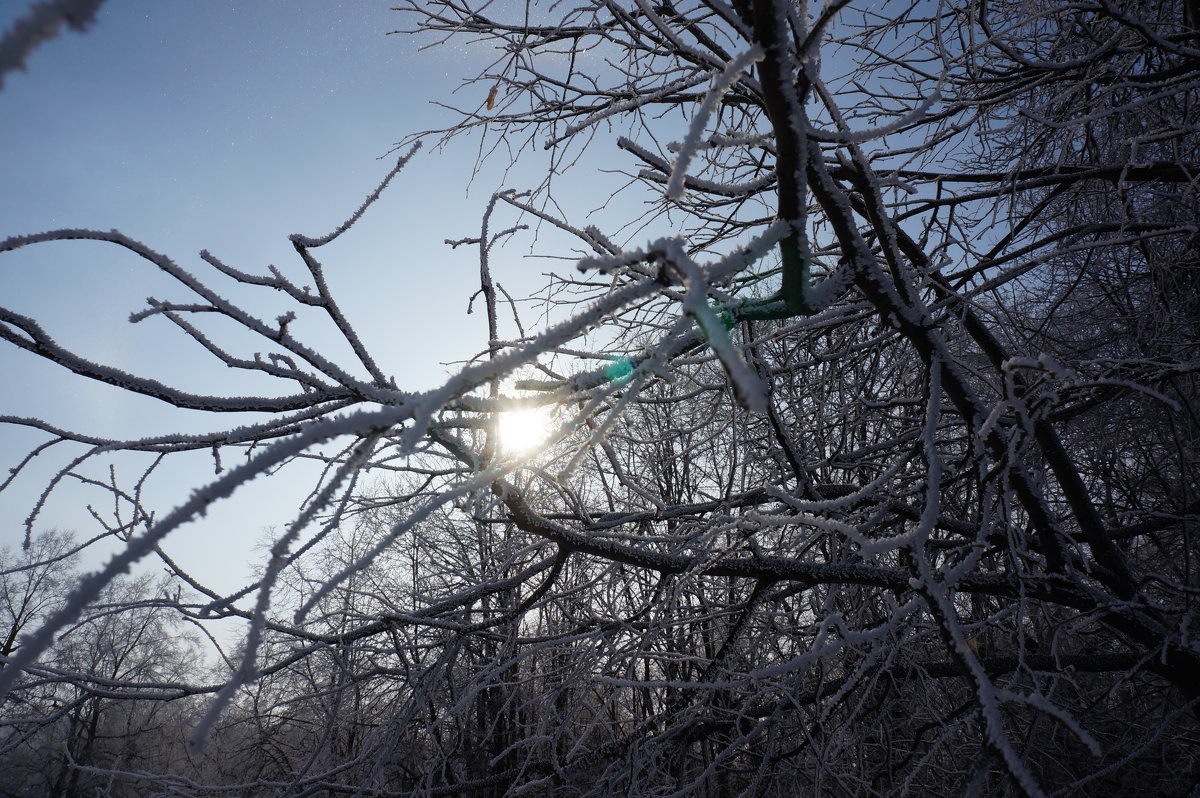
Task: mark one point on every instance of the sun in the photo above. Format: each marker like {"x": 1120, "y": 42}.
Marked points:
{"x": 523, "y": 431}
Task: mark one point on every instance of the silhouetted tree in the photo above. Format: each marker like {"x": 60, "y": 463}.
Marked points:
{"x": 874, "y": 474}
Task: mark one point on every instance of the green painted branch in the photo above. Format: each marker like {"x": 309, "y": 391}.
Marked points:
{"x": 783, "y": 89}
{"x": 797, "y": 281}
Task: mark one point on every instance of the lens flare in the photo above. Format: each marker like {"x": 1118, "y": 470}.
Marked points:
{"x": 523, "y": 431}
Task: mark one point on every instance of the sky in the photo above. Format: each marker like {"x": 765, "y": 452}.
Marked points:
{"x": 226, "y": 126}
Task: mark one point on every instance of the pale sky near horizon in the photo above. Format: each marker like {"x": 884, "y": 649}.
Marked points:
{"x": 225, "y": 125}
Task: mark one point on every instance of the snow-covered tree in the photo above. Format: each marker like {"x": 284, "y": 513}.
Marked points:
{"x": 871, "y": 451}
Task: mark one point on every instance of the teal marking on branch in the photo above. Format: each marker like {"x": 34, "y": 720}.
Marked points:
{"x": 620, "y": 370}
{"x": 795, "y": 295}
{"x": 797, "y": 282}
{"x": 724, "y": 314}
{"x": 715, "y": 322}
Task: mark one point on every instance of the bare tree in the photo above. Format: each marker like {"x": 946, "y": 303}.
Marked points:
{"x": 32, "y": 583}
{"x": 106, "y": 697}
{"x": 876, "y": 475}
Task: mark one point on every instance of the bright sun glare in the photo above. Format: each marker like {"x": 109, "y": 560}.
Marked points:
{"x": 522, "y": 431}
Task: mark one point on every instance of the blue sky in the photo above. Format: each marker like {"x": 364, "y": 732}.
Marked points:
{"x": 228, "y": 126}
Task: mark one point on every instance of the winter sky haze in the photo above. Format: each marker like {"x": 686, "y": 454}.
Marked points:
{"x": 225, "y": 126}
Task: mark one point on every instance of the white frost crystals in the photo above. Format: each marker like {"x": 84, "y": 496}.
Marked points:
{"x": 871, "y": 468}
{"x": 712, "y": 100}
